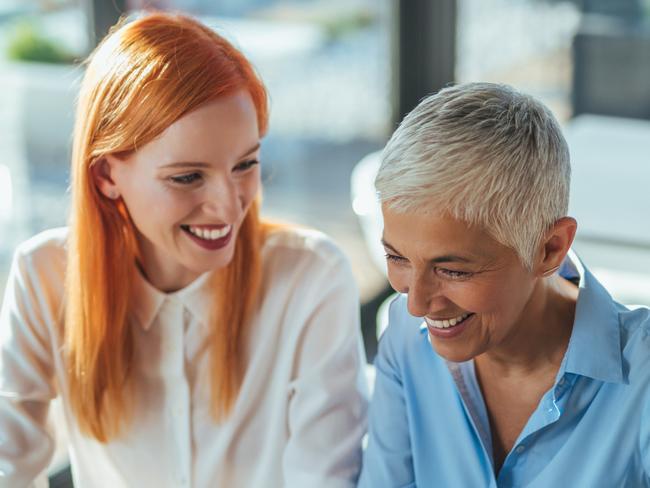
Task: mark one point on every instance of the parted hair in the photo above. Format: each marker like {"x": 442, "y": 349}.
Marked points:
{"x": 484, "y": 154}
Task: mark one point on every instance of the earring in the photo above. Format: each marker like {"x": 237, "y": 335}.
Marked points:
{"x": 112, "y": 195}
{"x": 549, "y": 272}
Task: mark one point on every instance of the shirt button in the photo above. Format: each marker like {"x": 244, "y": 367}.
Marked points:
{"x": 520, "y": 448}
{"x": 561, "y": 382}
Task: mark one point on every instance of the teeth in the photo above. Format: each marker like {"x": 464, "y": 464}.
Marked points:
{"x": 209, "y": 234}
{"x": 445, "y": 324}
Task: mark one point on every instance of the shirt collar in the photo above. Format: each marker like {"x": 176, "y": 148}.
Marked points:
{"x": 197, "y": 298}
{"x": 594, "y": 348}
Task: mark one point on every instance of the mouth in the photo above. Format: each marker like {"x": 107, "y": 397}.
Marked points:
{"x": 448, "y": 328}
{"x": 447, "y": 323}
{"x": 210, "y": 237}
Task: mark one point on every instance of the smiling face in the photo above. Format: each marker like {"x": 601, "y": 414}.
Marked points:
{"x": 471, "y": 290}
{"x": 189, "y": 190}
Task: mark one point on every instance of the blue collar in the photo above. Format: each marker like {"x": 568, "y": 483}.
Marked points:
{"x": 594, "y": 348}
{"x": 595, "y": 345}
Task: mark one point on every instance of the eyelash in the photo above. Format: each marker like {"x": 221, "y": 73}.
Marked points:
{"x": 454, "y": 275}
{"x": 246, "y": 165}
{"x": 395, "y": 259}
{"x": 447, "y": 273}
{"x": 189, "y": 178}
{"x": 186, "y": 179}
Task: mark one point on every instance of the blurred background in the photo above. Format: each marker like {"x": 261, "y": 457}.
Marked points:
{"x": 341, "y": 74}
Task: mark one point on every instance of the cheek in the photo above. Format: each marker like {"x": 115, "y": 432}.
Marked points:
{"x": 500, "y": 302}
{"x": 140, "y": 192}
{"x": 152, "y": 206}
{"x": 142, "y": 204}
{"x": 398, "y": 277}
{"x": 476, "y": 298}
{"x": 250, "y": 188}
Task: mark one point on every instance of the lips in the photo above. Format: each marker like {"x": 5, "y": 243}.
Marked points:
{"x": 210, "y": 237}
{"x": 444, "y": 329}
{"x": 446, "y": 323}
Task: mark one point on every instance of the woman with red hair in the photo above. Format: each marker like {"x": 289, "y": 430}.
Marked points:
{"x": 191, "y": 344}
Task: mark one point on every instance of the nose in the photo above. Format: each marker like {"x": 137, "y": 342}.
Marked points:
{"x": 422, "y": 290}
{"x": 222, "y": 199}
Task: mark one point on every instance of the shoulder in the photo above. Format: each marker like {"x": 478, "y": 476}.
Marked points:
{"x": 302, "y": 243}
{"x": 634, "y": 317}
{"x": 36, "y": 281}
{"x": 308, "y": 286}
{"x": 302, "y": 268}
{"x": 635, "y": 338}
{"x": 635, "y": 344}
{"x": 635, "y": 357}
{"x": 44, "y": 251}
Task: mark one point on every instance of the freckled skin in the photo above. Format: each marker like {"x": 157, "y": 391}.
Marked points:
{"x": 222, "y": 137}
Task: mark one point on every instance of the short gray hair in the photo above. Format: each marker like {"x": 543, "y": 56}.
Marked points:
{"x": 484, "y": 154}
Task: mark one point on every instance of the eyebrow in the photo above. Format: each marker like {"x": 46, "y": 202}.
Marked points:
{"x": 201, "y": 164}
{"x": 446, "y": 258}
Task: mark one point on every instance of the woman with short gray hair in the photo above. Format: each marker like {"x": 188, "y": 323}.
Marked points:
{"x": 505, "y": 363}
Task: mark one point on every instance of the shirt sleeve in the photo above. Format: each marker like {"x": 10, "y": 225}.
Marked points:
{"x": 26, "y": 380}
{"x": 328, "y": 394}
{"x": 387, "y": 460}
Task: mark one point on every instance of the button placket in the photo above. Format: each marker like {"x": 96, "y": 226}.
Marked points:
{"x": 171, "y": 340}
{"x": 182, "y": 428}
{"x": 176, "y": 385}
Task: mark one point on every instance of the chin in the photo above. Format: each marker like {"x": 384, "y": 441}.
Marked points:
{"x": 200, "y": 260}
{"x": 455, "y": 355}
{"x": 206, "y": 266}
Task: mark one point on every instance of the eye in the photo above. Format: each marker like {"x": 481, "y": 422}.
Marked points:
{"x": 395, "y": 259}
{"x": 246, "y": 165}
{"x": 454, "y": 275}
{"x": 186, "y": 179}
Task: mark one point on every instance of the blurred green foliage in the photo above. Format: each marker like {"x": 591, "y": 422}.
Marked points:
{"x": 343, "y": 24}
{"x": 28, "y": 44}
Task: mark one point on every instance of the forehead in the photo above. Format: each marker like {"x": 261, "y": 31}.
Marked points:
{"x": 224, "y": 128}
{"x": 427, "y": 235}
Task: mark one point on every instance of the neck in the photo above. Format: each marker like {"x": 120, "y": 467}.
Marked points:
{"x": 540, "y": 337}
{"x": 160, "y": 272}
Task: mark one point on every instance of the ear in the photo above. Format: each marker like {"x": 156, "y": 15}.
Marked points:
{"x": 556, "y": 245}
{"x": 101, "y": 172}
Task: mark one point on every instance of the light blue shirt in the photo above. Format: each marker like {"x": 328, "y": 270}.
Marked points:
{"x": 429, "y": 425}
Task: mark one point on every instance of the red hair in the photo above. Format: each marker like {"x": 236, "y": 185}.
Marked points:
{"x": 143, "y": 77}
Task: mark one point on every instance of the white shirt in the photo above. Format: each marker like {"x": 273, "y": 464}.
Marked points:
{"x": 301, "y": 412}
